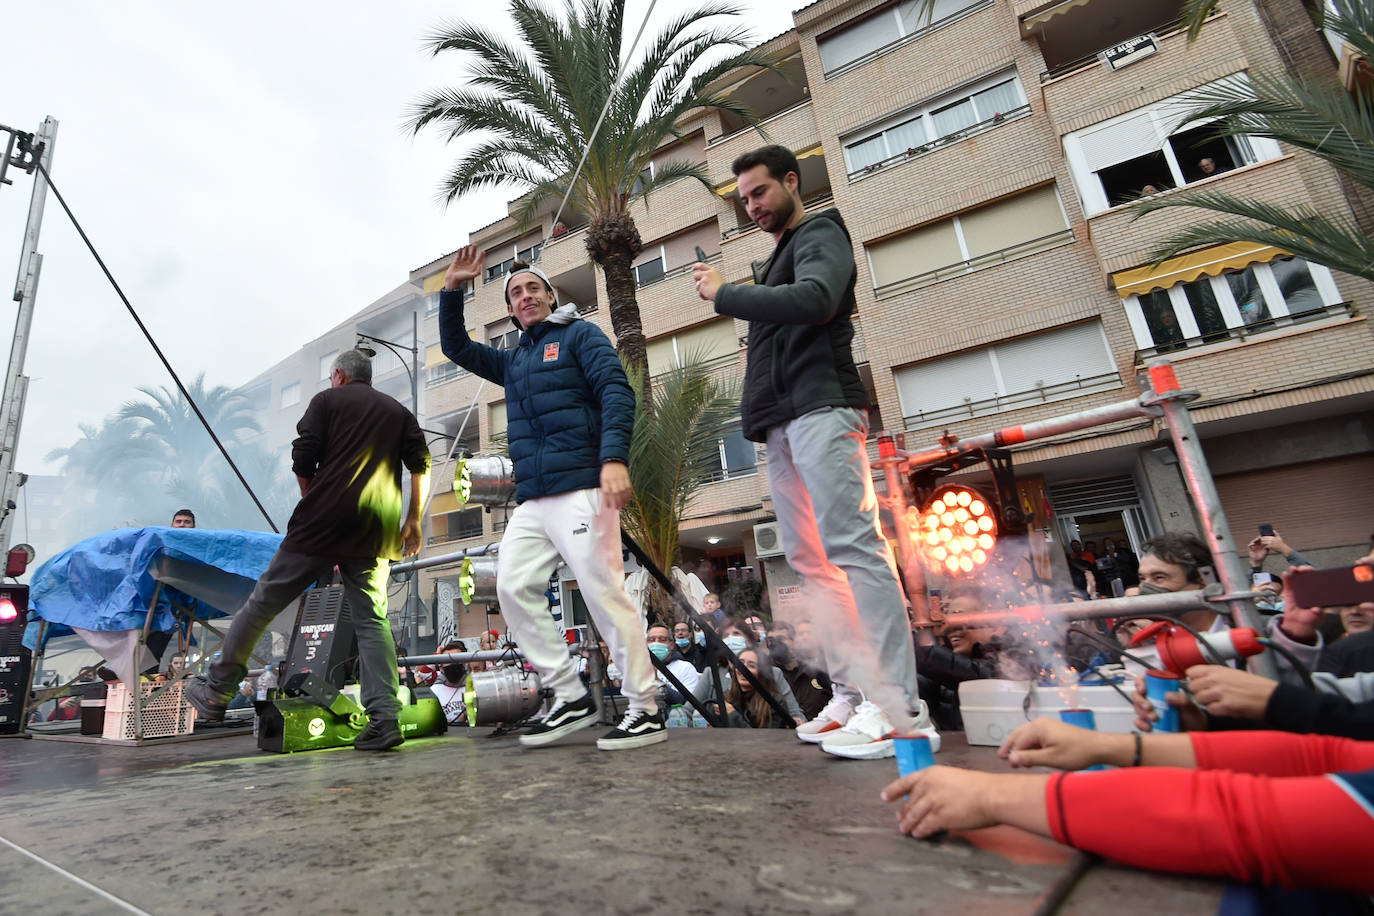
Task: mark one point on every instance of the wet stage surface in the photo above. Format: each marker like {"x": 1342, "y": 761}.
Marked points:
{"x": 713, "y": 821}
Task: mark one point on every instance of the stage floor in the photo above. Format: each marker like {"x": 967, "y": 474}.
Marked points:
{"x": 713, "y": 821}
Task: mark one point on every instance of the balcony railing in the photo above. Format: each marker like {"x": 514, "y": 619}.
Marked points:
{"x": 915, "y": 152}
{"x": 763, "y": 122}
{"x": 1042, "y": 394}
{"x": 959, "y": 269}
{"x": 1242, "y": 334}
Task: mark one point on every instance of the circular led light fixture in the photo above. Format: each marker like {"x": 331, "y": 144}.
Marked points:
{"x": 956, "y": 531}
{"x": 477, "y": 580}
{"x": 485, "y": 480}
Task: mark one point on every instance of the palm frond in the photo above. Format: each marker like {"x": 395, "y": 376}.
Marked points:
{"x": 1333, "y": 242}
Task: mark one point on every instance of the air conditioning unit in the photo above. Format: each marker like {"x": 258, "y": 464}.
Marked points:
{"x": 768, "y": 539}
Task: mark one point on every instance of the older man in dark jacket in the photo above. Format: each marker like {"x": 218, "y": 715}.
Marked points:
{"x": 352, "y": 443}
{"x": 803, "y": 396}
{"x": 569, "y": 416}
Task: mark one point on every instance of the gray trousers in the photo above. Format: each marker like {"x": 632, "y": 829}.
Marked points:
{"x": 827, "y": 510}
{"x": 287, "y": 575}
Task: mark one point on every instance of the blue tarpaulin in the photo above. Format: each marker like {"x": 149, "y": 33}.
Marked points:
{"x": 106, "y": 582}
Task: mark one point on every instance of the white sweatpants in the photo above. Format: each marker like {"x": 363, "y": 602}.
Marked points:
{"x": 574, "y": 526}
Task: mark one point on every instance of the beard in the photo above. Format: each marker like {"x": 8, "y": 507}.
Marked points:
{"x": 778, "y": 217}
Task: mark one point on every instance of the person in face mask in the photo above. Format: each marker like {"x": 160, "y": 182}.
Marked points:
{"x": 449, "y": 687}
{"x": 661, "y": 647}
{"x": 686, "y": 648}
{"x": 739, "y": 638}
{"x": 1172, "y": 562}
{"x": 811, "y": 688}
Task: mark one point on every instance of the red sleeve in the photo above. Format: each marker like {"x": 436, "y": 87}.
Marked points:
{"x": 1280, "y": 753}
{"x": 1296, "y": 832}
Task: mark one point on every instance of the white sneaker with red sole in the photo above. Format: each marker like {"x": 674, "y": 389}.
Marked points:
{"x": 869, "y": 732}
{"x": 830, "y": 719}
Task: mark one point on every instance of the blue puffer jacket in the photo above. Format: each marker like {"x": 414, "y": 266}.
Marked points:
{"x": 569, "y": 406}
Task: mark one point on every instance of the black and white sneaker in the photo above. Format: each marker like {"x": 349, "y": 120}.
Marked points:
{"x": 639, "y": 728}
{"x": 562, "y": 720}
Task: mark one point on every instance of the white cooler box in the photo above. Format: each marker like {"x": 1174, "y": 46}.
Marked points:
{"x": 992, "y": 708}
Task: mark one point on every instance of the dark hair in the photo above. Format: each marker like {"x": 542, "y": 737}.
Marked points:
{"x": 783, "y": 625}
{"x": 1181, "y": 549}
{"x": 515, "y": 268}
{"x": 778, "y": 159}
{"x": 659, "y": 625}
{"x": 186, "y": 512}
{"x": 755, "y": 708}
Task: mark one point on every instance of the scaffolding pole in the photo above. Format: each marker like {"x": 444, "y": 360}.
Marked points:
{"x": 1169, "y": 402}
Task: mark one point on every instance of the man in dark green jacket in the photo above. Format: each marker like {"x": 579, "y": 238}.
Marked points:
{"x": 803, "y": 396}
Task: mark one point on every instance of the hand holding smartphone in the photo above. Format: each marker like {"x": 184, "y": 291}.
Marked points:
{"x": 1266, "y": 531}
{"x": 1333, "y": 587}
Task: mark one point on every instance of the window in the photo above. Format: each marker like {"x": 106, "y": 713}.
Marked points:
{"x": 291, "y": 394}
{"x": 1256, "y": 298}
{"x": 981, "y": 102}
{"x": 1000, "y": 231}
{"x": 649, "y": 271}
{"x": 507, "y": 340}
{"x": 1051, "y": 366}
{"x": 901, "y": 22}
{"x": 715, "y": 340}
{"x": 496, "y": 419}
{"x": 1148, "y": 150}
{"x": 437, "y": 375}
{"x": 499, "y": 270}
{"x": 736, "y": 456}
{"x": 327, "y": 364}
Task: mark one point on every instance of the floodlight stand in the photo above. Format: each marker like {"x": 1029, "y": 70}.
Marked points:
{"x": 34, "y": 149}
{"x": 1165, "y": 401}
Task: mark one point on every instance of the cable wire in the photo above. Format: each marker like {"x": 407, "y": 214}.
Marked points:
{"x": 156, "y": 349}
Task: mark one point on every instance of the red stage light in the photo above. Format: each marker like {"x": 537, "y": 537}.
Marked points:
{"x": 956, "y": 531}
{"x": 8, "y": 612}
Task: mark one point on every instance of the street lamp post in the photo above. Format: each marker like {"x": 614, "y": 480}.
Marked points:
{"x": 412, "y": 611}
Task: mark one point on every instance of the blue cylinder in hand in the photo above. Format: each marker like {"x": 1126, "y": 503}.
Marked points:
{"x": 1083, "y": 718}
{"x": 1157, "y": 684}
{"x": 913, "y": 753}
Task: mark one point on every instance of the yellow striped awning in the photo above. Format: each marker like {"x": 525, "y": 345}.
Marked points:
{"x": 807, "y": 153}
{"x": 436, "y": 282}
{"x": 1188, "y": 267}
{"x": 1034, "y": 19}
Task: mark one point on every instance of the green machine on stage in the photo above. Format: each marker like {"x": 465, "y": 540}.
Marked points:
{"x": 311, "y": 715}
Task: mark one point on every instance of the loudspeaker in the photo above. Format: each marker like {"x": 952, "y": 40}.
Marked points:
{"x": 322, "y": 642}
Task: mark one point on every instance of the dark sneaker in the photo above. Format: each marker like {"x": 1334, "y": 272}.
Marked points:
{"x": 380, "y": 735}
{"x": 208, "y": 702}
{"x": 639, "y": 728}
{"x": 562, "y": 720}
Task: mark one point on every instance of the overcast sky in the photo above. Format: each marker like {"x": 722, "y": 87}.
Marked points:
{"x": 242, "y": 170}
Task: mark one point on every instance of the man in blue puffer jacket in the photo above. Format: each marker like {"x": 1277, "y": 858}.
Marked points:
{"x": 569, "y": 416}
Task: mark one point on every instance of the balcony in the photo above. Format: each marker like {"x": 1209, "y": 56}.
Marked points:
{"x": 794, "y": 128}
{"x": 1082, "y": 90}
{"x": 1121, "y": 241}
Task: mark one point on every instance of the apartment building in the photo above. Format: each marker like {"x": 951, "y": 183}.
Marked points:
{"x": 983, "y": 160}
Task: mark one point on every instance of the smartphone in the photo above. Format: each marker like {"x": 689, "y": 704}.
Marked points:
{"x": 701, "y": 256}
{"x": 1332, "y": 587}
{"x": 1266, "y": 531}
{"x": 1260, "y": 577}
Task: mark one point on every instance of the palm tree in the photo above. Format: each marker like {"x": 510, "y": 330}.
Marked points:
{"x": 153, "y": 451}
{"x": 1310, "y": 112}
{"x": 674, "y": 452}
{"x": 536, "y": 102}
{"x": 169, "y": 427}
